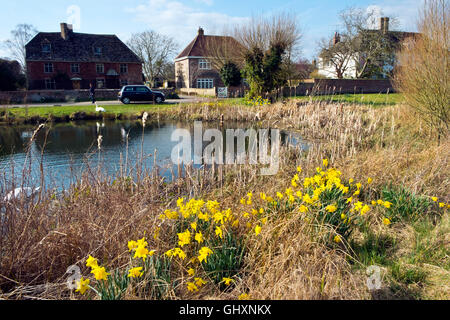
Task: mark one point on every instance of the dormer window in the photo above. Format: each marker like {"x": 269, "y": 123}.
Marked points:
{"x": 46, "y": 48}
{"x": 204, "y": 64}
{"x": 98, "y": 51}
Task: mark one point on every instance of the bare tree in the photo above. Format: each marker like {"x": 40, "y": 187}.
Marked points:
{"x": 155, "y": 51}
{"x": 16, "y": 45}
{"x": 423, "y": 73}
{"x": 270, "y": 45}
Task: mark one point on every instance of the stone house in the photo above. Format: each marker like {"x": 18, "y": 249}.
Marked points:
{"x": 396, "y": 38}
{"x": 70, "y": 60}
{"x": 194, "y": 67}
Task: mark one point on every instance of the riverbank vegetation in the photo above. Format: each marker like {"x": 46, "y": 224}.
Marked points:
{"x": 36, "y": 115}
{"x": 372, "y": 190}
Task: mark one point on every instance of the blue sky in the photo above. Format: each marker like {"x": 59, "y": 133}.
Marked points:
{"x": 181, "y": 18}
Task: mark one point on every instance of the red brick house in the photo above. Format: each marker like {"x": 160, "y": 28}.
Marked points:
{"x": 194, "y": 67}
{"x": 70, "y": 60}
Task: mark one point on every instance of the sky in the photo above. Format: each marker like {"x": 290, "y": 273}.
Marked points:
{"x": 180, "y": 19}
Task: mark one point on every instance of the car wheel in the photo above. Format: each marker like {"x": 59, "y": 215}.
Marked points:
{"x": 158, "y": 100}
{"x": 126, "y": 100}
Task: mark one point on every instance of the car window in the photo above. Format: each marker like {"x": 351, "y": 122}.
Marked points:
{"x": 142, "y": 89}
{"x": 129, "y": 89}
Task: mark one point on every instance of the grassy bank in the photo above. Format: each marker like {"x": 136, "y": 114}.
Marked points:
{"x": 36, "y": 115}
{"x": 309, "y": 232}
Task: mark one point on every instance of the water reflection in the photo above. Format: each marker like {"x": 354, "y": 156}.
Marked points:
{"x": 67, "y": 147}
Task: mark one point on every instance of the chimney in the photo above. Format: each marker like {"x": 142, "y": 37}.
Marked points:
{"x": 201, "y": 32}
{"x": 384, "y": 24}
{"x": 66, "y": 30}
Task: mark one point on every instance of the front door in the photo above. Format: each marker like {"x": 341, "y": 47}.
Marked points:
{"x": 76, "y": 84}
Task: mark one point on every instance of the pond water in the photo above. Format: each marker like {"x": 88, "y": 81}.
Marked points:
{"x": 71, "y": 148}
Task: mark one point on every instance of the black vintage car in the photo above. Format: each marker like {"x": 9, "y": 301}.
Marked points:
{"x": 140, "y": 93}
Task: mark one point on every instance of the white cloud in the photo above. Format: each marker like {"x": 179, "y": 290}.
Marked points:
{"x": 173, "y": 18}
{"x": 406, "y": 11}
{"x": 207, "y": 2}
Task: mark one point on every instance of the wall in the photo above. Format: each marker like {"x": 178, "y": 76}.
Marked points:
{"x": 338, "y": 86}
{"x": 37, "y": 96}
{"x": 198, "y": 92}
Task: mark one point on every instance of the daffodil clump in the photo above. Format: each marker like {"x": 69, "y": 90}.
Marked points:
{"x": 256, "y": 101}
{"x": 208, "y": 242}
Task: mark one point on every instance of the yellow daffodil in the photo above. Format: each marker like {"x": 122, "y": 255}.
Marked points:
{"x": 337, "y": 239}
{"x": 184, "y": 238}
{"x": 82, "y": 285}
{"x": 386, "y": 221}
{"x": 257, "y": 230}
{"x": 219, "y": 232}
{"x": 244, "y": 296}
{"x": 325, "y": 163}
{"x": 303, "y": 209}
{"x": 387, "y": 204}
{"x": 227, "y": 281}
{"x": 132, "y": 245}
{"x": 435, "y": 199}
{"x": 369, "y": 181}
{"x": 91, "y": 262}
{"x": 199, "y": 237}
{"x": 191, "y": 272}
{"x": 331, "y": 208}
{"x": 135, "y": 272}
{"x": 100, "y": 273}
{"x": 192, "y": 287}
{"x": 199, "y": 282}
{"x": 204, "y": 253}
{"x": 141, "y": 252}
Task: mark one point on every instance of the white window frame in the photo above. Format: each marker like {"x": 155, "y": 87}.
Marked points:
{"x": 98, "y": 51}
{"x": 102, "y": 68}
{"x": 204, "y": 64}
{"x": 48, "y": 68}
{"x": 100, "y": 80}
{"x": 72, "y": 65}
{"x": 204, "y": 83}
{"x": 123, "y": 66}
{"x": 50, "y": 84}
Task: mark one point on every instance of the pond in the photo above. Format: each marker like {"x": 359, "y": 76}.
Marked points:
{"x": 71, "y": 148}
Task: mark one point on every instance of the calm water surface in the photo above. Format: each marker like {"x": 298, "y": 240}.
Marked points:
{"x": 71, "y": 148}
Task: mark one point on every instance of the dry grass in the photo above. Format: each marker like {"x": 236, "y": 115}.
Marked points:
{"x": 98, "y": 217}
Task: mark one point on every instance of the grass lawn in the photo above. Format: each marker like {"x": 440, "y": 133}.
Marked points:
{"x": 376, "y": 100}
{"x": 68, "y": 110}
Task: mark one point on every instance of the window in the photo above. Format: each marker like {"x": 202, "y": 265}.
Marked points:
{"x": 205, "y": 83}
{"x": 129, "y": 89}
{"x": 124, "y": 82}
{"x": 48, "y": 67}
{"x": 204, "y": 64}
{"x": 141, "y": 89}
{"x": 75, "y": 68}
{"x": 98, "y": 51}
{"x": 50, "y": 84}
{"x": 101, "y": 83}
{"x": 100, "y": 68}
{"x": 123, "y": 68}
{"x": 46, "y": 48}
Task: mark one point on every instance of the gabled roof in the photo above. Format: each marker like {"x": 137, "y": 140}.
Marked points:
{"x": 202, "y": 45}
{"x": 79, "y": 47}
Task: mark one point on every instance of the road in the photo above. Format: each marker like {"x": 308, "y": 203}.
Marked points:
{"x": 183, "y": 99}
